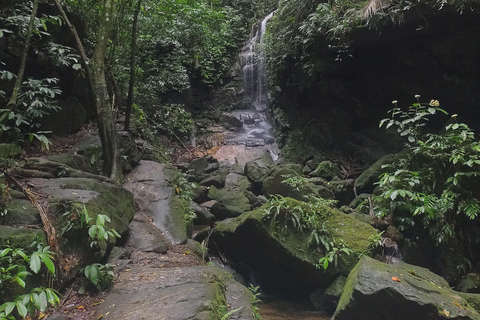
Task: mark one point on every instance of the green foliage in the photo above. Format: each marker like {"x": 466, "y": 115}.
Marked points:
{"x": 14, "y": 266}
{"x": 255, "y": 301}
{"x": 334, "y": 254}
{"x": 36, "y": 100}
{"x": 185, "y": 190}
{"x": 101, "y": 276}
{"x": 435, "y": 187}
{"x": 304, "y": 216}
{"x": 97, "y": 232}
{"x": 172, "y": 118}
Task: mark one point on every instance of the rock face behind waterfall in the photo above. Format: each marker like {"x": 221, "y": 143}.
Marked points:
{"x": 379, "y": 291}
{"x": 278, "y": 255}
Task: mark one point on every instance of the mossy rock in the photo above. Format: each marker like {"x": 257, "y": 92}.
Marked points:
{"x": 274, "y": 184}
{"x": 279, "y": 253}
{"x": 21, "y": 212}
{"x": 10, "y": 150}
{"x": 21, "y": 237}
{"x": 176, "y": 228}
{"x": 231, "y": 204}
{"x": 365, "y": 182}
{"x": 327, "y": 170}
{"x": 74, "y": 161}
{"x": 402, "y": 290}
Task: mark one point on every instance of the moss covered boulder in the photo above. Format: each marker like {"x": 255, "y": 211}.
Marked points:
{"x": 279, "y": 254}
{"x": 20, "y": 237}
{"x": 275, "y": 183}
{"x": 375, "y": 290}
{"x": 365, "y": 182}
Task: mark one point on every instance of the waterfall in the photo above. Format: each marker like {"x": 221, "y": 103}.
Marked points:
{"x": 253, "y": 62}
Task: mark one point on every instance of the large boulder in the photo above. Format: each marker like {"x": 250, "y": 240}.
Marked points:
{"x": 257, "y": 170}
{"x": 375, "y": 290}
{"x": 279, "y": 254}
{"x": 274, "y": 184}
{"x": 231, "y": 204}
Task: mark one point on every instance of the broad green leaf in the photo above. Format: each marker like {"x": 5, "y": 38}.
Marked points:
{"x": 22, "y": 310}
{"x": 9, "y": 306}
{"x": 35, "y": 263}
{"x": 48, "y": 263}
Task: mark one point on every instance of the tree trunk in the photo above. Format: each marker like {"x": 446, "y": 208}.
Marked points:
{"x": 133, "y": 49}
{"x": 96, "y": 75}
{"x": 23, "y": 60}
{"x": 106, "y": 121}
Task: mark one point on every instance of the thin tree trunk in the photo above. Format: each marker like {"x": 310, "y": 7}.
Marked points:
{"x": 96, "y": 75}
{"x": 106, "y": 121}
{"x": 133, "y": 49}
{"x": 17, "y": 89}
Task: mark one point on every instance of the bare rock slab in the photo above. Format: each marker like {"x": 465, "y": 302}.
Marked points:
{"x": 149, "y": 183}
{"x": 197, "y": 292}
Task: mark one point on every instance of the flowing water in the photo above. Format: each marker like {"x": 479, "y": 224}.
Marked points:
{"x": 256, "y": 134}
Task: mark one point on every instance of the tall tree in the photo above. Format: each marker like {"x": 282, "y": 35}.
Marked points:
{"x": 23, "y": 60}
{"x": 96, "y": 74}
{"x": 133, "y": 49}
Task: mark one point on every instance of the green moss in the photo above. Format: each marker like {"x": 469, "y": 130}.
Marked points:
{"x": 218, "y": 306}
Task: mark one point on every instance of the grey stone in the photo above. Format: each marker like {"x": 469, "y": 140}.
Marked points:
{"x": 402, "y": 290}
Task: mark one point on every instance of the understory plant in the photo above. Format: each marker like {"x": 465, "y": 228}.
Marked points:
{"x": 432, "y": 191}
{"x": 309, "y": 217}
{"x": 15, "y": 267}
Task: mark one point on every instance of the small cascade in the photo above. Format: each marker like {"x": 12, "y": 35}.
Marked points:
{"x": 254, "y": 131}
{"x": 261, "y": 102}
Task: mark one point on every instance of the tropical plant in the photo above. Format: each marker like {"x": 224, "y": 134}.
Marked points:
{"x": 97, "y": 232}
{"x": 14, "y": 266}
{"x": 100, "y": 275}
{"x": 434, "y": 188}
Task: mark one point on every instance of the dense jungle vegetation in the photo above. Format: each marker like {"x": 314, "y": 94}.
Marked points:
{"x": 151, "y": 63}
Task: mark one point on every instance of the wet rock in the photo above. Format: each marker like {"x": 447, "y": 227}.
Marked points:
{"x": 154, "y": 196}
{"x": 143, "y": 236}
{"x": 118, "y": 253}
{"x": 280, "y": 257}
{"x": 393, "y": 233}
{"x": 203, "y": 216}
{"x": 327, "y": 299}
{"x": 234, "y": 180}
{"x": 402, "y": 290}
{"x": 202, "y": 166}
{"x": 229, "y": 121}
{"x": 197, "y": 292}
{"x": 257, "y": 170}
{"x": 200, "y": 194}
{"x": 217, "y": 181}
